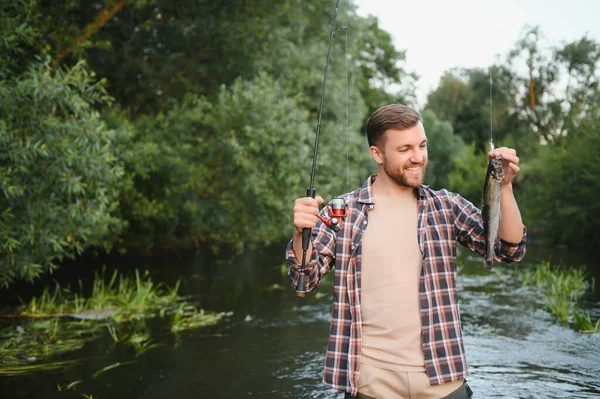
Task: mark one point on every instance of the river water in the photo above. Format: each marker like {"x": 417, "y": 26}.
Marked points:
{"x": 273, "y": 345}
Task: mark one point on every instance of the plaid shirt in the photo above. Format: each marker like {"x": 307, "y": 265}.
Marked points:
{"x": 443, "y": 219}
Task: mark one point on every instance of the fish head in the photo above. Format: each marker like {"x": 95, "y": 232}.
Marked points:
{"x": 497, "y": 169}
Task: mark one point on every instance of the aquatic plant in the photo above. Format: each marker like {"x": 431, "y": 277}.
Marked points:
{"x": 119, "y": 297}
{"x": 188, "y": 317}
{"x": 61, "y": 321}
{"x": 562, "y": 287}
{"x": 583, "y": 323}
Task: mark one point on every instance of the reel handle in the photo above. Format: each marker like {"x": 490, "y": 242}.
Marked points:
{"x": 306, "y": 232}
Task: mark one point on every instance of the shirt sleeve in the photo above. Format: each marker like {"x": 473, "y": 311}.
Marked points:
{"x": 322, "y": 257}
{"x": 470, "y": 232}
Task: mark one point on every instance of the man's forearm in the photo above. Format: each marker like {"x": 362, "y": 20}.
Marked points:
{"x": 511, "y": 224}
{"x": 298, "y": 247}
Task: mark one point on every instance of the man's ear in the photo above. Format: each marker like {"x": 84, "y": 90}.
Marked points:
{"x": 377, "y": 154}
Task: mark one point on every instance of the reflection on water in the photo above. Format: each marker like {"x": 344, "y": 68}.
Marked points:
{"x": 273, "y": 346}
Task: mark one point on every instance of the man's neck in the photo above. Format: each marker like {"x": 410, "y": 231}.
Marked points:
{"x": 383, "y": 186}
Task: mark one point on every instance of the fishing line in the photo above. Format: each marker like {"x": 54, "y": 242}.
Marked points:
{"x": 347, "y": 102}
{"x": 491, "y": 111}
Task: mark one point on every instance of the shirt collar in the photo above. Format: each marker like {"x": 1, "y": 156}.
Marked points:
{"x": 365, "y": 194}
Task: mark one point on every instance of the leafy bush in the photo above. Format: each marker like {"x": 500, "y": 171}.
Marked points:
{"x": 58, "y": 177}
{"x": 468, "y": 176}
{"x": 221, "y": 171}
{"x": 561, "y": 189}
{"x": 443, "y": 147}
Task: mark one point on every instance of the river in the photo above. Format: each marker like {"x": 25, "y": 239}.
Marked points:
{"x": 274, "y": 343}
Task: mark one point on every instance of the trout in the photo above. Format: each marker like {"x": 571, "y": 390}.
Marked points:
{"x": 491, "y": 208}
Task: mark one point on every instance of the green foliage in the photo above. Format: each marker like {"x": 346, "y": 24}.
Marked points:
{"x": 117, "y": 297}
{"x": 562, "y": 289}
{"x": 222, "y": 172}
{"x": 59, "y": 179}
{"x": 188, "y": 317}
{"x": 561, "y": 189}
{"x": 463, "y": 99}
{"x": 380, "y": 65}
{"x": 61, "y": 321}
{"x": 443, "y": 146}
{"x": 155, "y": 52}
{"x": 552, "y": 109}
{"x": 468, "y": 176}
{"x": 21, "y": 35}
{"x": 530, "y": 99}
{"x": 210, "y": 136}
{"x": 583, "y": 323}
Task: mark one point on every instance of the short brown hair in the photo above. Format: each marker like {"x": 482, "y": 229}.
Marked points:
{"x": 392, "y": 116}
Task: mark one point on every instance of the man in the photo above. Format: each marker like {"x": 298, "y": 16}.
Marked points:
{"x": 395, "y": 328}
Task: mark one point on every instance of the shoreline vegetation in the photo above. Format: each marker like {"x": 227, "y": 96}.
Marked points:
{"x": 563, "y": 289}
{"x": 61, "y": 321}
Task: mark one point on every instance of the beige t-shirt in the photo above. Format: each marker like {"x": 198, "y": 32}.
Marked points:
{"x": 390, "y": 276}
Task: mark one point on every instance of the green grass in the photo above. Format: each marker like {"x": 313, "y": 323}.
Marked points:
{"x": 18, "y": 369}
{"x": 60, "y": 321}
{"x": 563, "y": 287}
{"x": 130, "y": 297}
{"x": 583, "y": 323}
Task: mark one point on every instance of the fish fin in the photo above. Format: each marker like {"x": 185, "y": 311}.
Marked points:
{"x": 488, "y": 263}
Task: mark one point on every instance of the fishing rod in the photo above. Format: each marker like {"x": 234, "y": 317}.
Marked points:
{"x": 337, "y": 207}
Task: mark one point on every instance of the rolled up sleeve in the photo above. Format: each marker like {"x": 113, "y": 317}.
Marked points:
{"x": 508, "y": 252}
{"x": 319, "y": 264}
{"x": 471, "y": 234}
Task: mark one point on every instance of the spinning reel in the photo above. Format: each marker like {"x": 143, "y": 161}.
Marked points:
{"x": 336, "y": 211}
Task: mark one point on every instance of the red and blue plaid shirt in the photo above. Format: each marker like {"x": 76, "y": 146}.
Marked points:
{"x": 444, "y": 218}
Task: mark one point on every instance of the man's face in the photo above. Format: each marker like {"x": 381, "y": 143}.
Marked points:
{"x": 404, "y": 155}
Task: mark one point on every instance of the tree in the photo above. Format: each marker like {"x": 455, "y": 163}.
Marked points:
{"x": 443, "y": 147}
{"x": 212, "y": 119}
{"x": 58, "y": 176}
{"x": 21, "y": 36}
{"x": 559, "y": 86}
{"x": 463, "y": 98}
{"x": 468, "y": 176}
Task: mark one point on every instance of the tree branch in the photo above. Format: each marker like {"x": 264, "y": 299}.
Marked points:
{"x": 101, "y": 19}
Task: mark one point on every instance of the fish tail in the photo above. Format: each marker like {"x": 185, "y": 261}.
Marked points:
{"x": 488, "y": 263}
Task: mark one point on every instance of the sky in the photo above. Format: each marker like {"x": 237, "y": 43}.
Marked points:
{"x": 439, "y": 34}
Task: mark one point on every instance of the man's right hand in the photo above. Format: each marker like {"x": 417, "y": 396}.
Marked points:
{"x": 306, "y": 210}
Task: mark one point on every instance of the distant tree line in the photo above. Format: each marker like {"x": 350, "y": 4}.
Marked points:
{"x": 150, "y": 124}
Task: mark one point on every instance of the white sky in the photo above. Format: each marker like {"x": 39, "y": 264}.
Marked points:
{"x": 440, "y": 34}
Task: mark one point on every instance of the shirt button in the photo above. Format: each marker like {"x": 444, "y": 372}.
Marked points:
{"x": 370, "y": 206}
{"x": 352, "y": 247}
{"x": 365, "y": 222}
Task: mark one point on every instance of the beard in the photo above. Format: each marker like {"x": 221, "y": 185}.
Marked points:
{"x": 399, "y": 176}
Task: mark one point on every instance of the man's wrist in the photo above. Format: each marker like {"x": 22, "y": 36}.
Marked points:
{"x": 507, "y": 187}
{"x": 297, "y": 235}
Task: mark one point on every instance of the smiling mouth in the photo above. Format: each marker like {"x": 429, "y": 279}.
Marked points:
{"x": 414, "y": 169}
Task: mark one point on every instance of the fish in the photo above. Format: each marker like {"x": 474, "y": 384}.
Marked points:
{"x": 93, "y": 314}
{"x": 491, "y": 208}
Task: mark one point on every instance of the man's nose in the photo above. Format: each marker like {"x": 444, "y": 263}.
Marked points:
{"x": 417, "y": 156}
